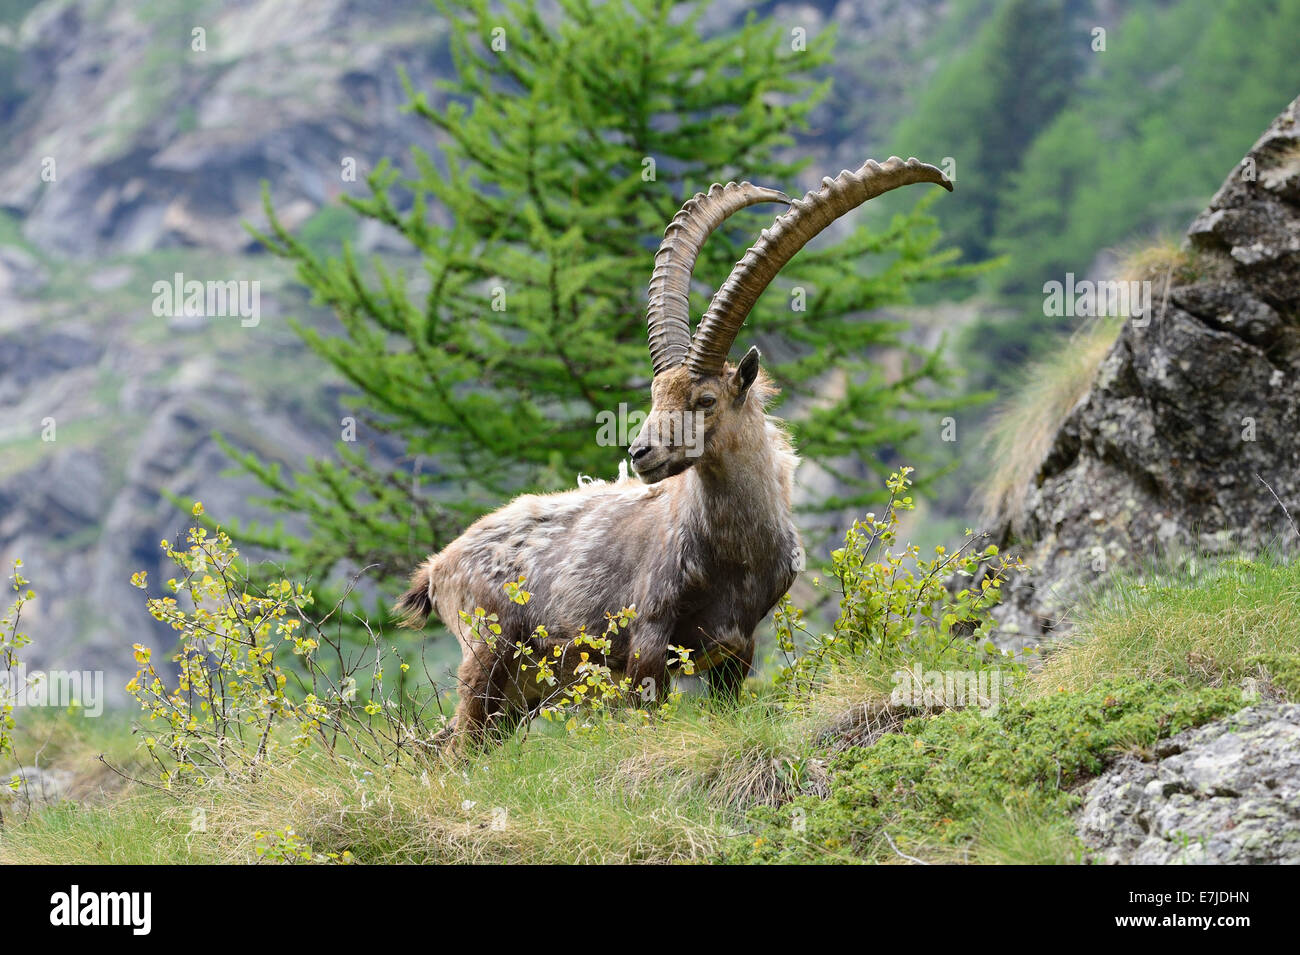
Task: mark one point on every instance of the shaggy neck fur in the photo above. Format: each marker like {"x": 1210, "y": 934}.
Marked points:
{"x": 744, "y": 480}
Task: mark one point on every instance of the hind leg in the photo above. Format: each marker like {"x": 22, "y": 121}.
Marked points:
{"x": 488, "y": 707}
{"x": 474, "y": 687}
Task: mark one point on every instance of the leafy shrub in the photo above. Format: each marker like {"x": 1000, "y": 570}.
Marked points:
{"x": 249, "y": 685}
{"x": 286, "y": 847}
{"x": 251, "y": 689}
{"x": 576, "y": 684}
{"x": 12, "y": 640}
{"x": 896, "y": 608}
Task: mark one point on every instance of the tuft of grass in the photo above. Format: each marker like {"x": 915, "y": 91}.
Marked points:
{"x": 1204, "y": 623}
{"x": 663, "y": 793}
{"x": 1008, "y": 836}
{"x": 138, "y": 828}
{"x": 1164, "y": 262}
{"x": 1023, "y": 427}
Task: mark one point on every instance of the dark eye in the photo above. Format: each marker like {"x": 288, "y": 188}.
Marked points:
{"x": 706, "y": 401}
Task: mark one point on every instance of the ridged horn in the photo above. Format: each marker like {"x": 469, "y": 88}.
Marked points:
{"x": 668, "y": 317}
{"x": 790, "y": 233}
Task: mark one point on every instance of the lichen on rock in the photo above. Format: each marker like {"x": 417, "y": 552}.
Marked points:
{"x": 1224, "y": 793}
{"x": 1196, "y": 405}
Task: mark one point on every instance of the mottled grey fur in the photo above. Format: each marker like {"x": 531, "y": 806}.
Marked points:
{"x": 702, "y": 551}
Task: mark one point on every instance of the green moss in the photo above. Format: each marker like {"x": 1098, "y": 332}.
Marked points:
{"x": 935, "y": 786}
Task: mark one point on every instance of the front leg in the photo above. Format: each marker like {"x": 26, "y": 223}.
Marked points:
{"x": 647, "y": 660}
{"x": 726, "y": 664}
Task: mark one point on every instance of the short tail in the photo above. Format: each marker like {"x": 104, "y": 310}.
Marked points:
{"x": 415, "y": 606}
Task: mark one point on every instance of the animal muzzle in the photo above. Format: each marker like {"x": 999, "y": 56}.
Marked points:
{"x": 649, "y": 461}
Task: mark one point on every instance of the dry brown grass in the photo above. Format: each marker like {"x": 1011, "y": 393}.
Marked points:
{"x": 1158, "y": 262}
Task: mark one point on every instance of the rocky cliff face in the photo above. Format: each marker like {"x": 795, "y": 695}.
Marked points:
{"x": 1195, "y": 406}
{"x": 161, "y": 121}
{"x": 137, "y": 150}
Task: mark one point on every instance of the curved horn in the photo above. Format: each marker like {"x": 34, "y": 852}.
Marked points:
{"x": 668, "y": 316}
{"x": 778, "y": 244}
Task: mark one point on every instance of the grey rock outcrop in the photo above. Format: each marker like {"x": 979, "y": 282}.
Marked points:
{"x": 1225, "y": 793}
{"x": 37, "y": 787}
{"x": 1196, "y": 404}
{"x": 137, "y": 150}
{"x": 148, "y": 129}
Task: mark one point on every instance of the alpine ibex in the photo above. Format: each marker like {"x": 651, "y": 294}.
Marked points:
{"x": 706, "y": 545}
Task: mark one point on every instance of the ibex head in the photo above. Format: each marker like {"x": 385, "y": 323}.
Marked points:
{"x": 689, "y": 414}
{"x": 697, "y": 395}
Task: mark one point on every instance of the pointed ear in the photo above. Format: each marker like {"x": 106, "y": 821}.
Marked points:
{"x": 746, "y": 372}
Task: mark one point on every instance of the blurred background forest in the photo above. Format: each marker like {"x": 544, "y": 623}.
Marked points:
{"x": 135, "y": 148}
